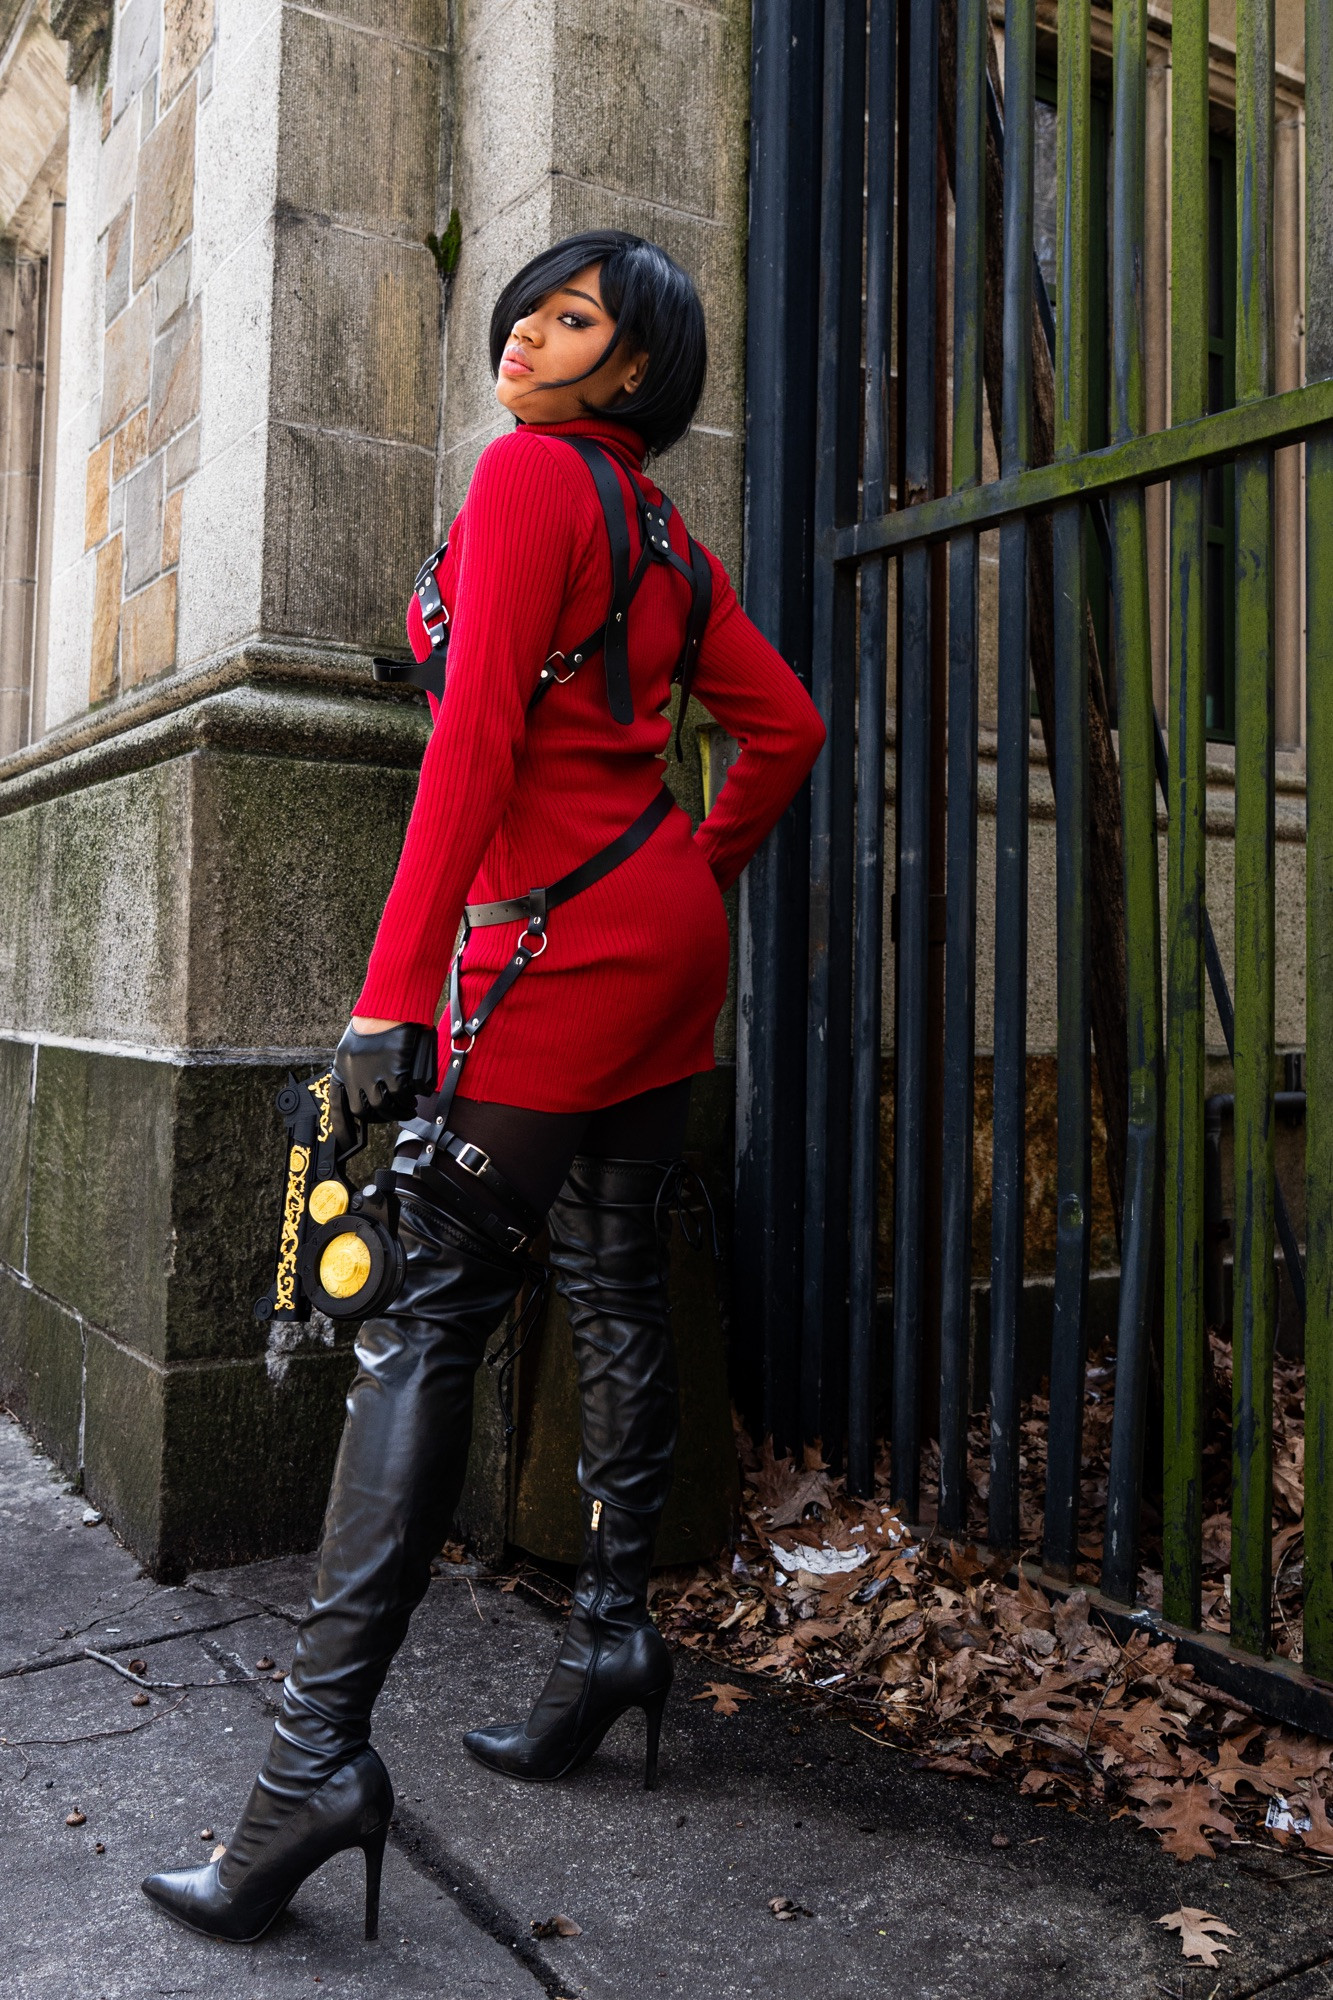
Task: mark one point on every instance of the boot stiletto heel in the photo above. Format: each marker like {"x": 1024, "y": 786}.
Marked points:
{"x": 652, "y": 1712}
{"x": 374, "y": 1851}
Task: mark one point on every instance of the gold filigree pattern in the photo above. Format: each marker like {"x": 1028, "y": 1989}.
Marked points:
{"x": 284, "y": 1290}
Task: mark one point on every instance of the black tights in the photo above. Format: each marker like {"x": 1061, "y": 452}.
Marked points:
{"x": 533, "y": 1149}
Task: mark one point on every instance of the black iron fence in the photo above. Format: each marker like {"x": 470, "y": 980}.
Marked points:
{"x": 866, "y": 451}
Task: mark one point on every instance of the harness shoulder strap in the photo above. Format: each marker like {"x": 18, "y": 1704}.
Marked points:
{"x": 701, "y": 605}
{"x": 615, "y": 639}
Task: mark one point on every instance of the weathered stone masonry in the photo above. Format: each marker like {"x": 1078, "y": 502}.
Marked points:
{"x": 256, "y": 430}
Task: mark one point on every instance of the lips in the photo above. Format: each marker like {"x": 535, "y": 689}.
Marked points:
{"x": 514, "y": 364}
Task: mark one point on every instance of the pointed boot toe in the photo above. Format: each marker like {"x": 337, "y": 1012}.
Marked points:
{"x": 493, "y": 1747}
{"x": 194, "y": 1897}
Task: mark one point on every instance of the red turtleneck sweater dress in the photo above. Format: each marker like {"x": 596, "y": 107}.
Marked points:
{"x": 626, "y": 995}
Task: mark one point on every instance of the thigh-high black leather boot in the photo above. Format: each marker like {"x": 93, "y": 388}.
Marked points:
{"x": 609, "y": 1239}
{"x": 396, "y": 1484}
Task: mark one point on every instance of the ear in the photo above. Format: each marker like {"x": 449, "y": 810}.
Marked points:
{"x": 634, "y": 380}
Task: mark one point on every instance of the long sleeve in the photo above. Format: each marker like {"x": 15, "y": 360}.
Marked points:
{"x": 747, "y": 686}
{"x": 510, "y": 583}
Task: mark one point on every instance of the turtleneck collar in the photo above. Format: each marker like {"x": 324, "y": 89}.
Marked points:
{"x": 607, "y": 428}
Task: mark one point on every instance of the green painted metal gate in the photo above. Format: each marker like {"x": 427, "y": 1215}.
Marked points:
{"x": 881, "y": 113}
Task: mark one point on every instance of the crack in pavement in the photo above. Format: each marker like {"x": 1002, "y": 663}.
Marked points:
{"x": 430, "y": 1857}
{"x": 42, "y": 1664}
{"x": 1276, "y": 1979}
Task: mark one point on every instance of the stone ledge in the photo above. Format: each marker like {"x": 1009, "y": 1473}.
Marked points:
{"x": 257, "y": 664}
{"x": 283, "y": 707}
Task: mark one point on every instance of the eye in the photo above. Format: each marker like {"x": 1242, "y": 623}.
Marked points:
{"x": 574, "y": 319}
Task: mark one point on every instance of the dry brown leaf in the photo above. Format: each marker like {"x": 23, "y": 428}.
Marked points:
{"x": 1199, "y": 1934}
{"x": 1181, "y": 1817}
{"x": 813, "y": 1490}
{"x": 724, "y": 1697}
{"x": 1319, "y": 1836}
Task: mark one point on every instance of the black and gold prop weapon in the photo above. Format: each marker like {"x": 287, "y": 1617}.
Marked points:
{"x": 338, "y": 1249}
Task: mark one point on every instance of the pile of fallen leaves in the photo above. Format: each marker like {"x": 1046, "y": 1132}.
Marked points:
{"x": 1098, "y": 1412}
{"x": 964, "y": 1664}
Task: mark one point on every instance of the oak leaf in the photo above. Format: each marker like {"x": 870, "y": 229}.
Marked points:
{"x": 724, "y": 1697}
{"x": 1199, "y": 1934}
{"x": 1319, "y": 1836}
{"x": 1181, "y": 1816}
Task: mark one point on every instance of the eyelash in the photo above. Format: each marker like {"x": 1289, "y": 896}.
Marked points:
{"x": 573, "y": 319}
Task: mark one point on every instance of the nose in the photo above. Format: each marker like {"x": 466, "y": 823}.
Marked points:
{"x": 525, "y": 330}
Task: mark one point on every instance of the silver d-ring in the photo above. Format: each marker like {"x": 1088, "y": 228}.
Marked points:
{"x": 559, "y": 679}
{"x": 542, "y": 942}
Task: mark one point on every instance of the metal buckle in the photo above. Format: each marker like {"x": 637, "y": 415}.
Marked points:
{"x": 523, "y": 943}
{"x": 454, "y": 1048}
{"x": 559, "y": 679}
{"x": 484, "y": 1159}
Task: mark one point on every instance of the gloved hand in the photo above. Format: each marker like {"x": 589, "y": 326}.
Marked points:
{"x": 382, "y": 1075}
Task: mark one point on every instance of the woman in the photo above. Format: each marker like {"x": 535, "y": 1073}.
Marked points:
{"x": 567, "y": 1094}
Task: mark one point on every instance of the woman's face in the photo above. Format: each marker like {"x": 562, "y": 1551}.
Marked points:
{"x": 558, "y": 340}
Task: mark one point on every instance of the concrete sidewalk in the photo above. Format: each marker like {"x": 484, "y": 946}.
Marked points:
{"x": 906, "y": 1892}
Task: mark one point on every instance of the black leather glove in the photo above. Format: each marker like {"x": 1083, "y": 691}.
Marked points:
{"x": 383, "y": 1075}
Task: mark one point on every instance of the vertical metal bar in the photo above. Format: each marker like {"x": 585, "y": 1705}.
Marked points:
{"x": 913, "y": 773}
{"x": 1318, "y": 1647}
{"x": 1073, "y": 1030}
{"x": 1255, "y": 1290}
{"x": 1008, "y": 1203}
{"x": 960, "y": 952}
{"x": 868, "y": 940}
{"x": 1138, "y": 795}
{"x": 774, "y": 890}
{"x": 1183, "y": 1486}
{"x": 828, "y": 1043}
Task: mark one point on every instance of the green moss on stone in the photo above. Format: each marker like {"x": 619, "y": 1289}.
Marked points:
{"x": 15, "y": 1088}
{"x": 41, "y": 1368}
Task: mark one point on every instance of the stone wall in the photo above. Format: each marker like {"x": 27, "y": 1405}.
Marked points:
{"x": 253, "y": 395}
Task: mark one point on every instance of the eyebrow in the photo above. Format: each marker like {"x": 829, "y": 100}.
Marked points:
{"x": 572, "y": 292}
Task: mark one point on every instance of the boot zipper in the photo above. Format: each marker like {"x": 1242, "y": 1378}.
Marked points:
{"x": 595, "y": 1528}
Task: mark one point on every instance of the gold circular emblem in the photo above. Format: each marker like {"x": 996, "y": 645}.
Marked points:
{"x": 344, "y": 1266}
{"x": 327, "y": 1199}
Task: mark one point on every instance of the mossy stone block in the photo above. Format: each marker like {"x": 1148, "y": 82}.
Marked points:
{"x": 100, "y": 1233}
{"x": 229, "y": 1149}
{"x": 94, "y": 899}
{"x": 247, "y": 1456}
{"x": 292, "y": 862}
{"x": 41, "y": 1368}
{"x": 123, "y": 1441}
{"x": 15, "y": 1090}
{"x": 204, "y": 1467}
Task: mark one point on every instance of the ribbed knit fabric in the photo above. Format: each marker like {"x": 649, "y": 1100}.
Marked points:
{"x": 627, "y": 992}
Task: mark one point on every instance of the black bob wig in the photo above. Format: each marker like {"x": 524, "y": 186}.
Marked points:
{"x": 656, "y": 310}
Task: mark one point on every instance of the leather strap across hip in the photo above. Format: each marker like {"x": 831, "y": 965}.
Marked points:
{"x": 530, "y": 910}
{"x": 517, "y": 909}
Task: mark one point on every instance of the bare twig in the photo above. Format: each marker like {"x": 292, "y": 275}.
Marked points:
{"x": 473, "y": 1595}
{"x": 884, "y": 1742}
{"x": 167, "y": 1687}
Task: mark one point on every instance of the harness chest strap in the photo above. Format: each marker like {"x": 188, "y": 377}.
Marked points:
{"x": 612, "y": 634}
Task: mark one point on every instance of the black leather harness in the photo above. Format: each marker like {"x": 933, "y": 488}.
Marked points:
{"x": 427, "y": 1139}
{"x": 611, "y": 636}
